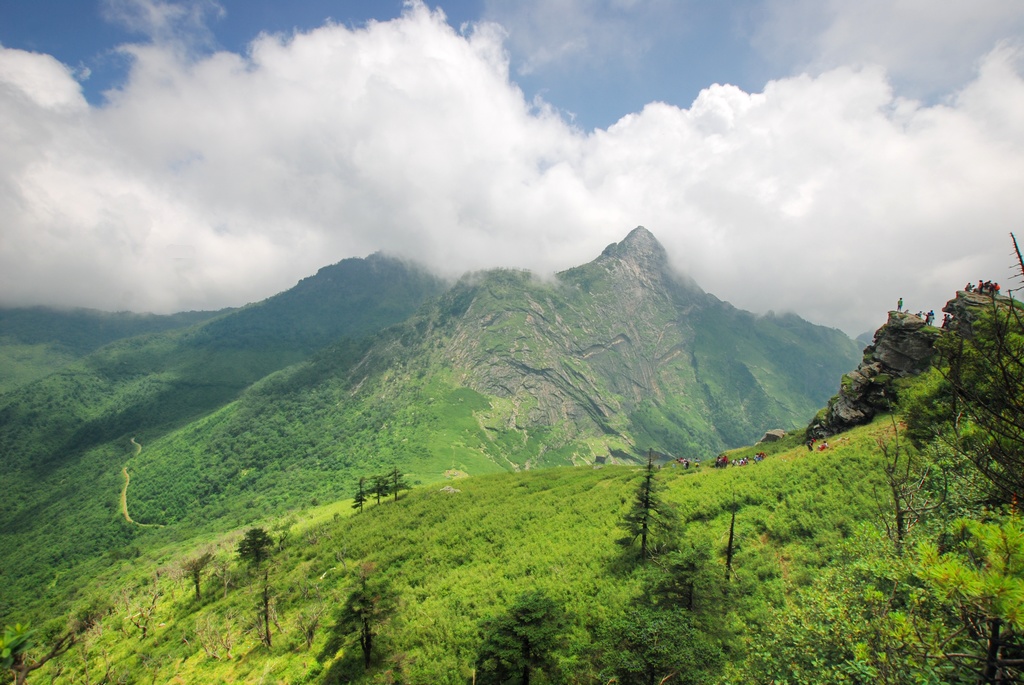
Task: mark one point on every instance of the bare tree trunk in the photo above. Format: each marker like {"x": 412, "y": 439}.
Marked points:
{"x": 266, "y": 610}
{"x": 728, "y": 552}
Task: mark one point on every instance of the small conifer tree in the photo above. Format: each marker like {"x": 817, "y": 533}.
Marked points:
{"x": 396, "y": 482}
{"x": 360, "y": 497}
{"x": 254, "y": 548}
{"x": 647, "y": 515}
{"x": 194, "y": 568}
{"x": 381, "y": 487}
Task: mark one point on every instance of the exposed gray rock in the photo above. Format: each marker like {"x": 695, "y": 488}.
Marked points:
{"x": 965, "y": 309}
{"x": 625, "y": 342}
{"x": 773, "y": 435}
{"x": 904, "y": 346}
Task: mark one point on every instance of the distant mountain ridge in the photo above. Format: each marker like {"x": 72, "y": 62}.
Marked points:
{"x": 374, "y": 364}
{"x": 36, "y": 341}
{"x": 185, "y": 371}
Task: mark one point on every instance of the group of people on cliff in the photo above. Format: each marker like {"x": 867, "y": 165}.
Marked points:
{"x": 929, "y": 317}
{"x": 983, "y": 288}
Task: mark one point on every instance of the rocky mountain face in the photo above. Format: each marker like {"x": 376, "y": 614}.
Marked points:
{"x": 583, "y": 352}
{"x": 622, "y": 354}
{"x": 903, "y": 347}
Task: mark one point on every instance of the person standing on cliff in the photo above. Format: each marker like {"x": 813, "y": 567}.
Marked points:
{"x": 899, "y": 305}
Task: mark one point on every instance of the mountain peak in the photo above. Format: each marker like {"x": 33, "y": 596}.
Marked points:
{"x": 640, "y": 247}
{"x": 641, "y": 260}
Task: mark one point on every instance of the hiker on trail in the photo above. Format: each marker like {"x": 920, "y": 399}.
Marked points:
{"x": 899, "y": 305}
{"x": 810, "y": 445}
{"x": 945, "y": 320}
{"x": 930, "y": 317}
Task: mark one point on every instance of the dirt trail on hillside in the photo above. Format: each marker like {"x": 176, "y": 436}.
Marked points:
{"x": 124, "y": 496}
{"x": 124, "y": 493}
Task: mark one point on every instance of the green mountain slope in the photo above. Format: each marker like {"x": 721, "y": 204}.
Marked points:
{"x": 36, "y": 341}
{"x": 501, "y": 372}
{"x": 65, "y": 437}
{"x": 454, "y": 557}
{"x": 505, "y": 372}
{"x": 156, "y": 381}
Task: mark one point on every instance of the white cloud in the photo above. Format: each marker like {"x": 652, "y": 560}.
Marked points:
{"x": 41, "y": 79}
{"x": 217, "y": 180}
{"x": 165, "y": 21}
{"x": 927, "y": 47}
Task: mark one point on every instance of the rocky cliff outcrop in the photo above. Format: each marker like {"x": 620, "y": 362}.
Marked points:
{"x": 903, "y": 347}
{"x": 965, "y": 309}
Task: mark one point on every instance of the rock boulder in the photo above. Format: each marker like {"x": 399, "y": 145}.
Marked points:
{"x": 904, "y": 346}
{"x": 773, "y": 435}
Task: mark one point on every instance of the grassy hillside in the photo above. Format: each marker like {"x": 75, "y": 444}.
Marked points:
{"x": 448, "y": 391}
{"x": 452, "y": 559}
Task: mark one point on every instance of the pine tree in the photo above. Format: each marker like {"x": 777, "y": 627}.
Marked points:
{"x": 648, "y": 514}
{"x": 360, "y": 497}
{"x": 370, "y": 604}
{"x": 194, "y": 568}
{"x": 254, "y": 548}
{"x": 381, "y": 487}
{"x": 522, "y": 640}
{"x": 396, "y": 482}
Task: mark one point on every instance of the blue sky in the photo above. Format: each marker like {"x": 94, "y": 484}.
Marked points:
{"x": 620, "y": 57}
{"x": 815, "y": 156}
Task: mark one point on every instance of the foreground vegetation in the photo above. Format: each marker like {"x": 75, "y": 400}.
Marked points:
{"x": 895, "y": 555}
{"x": 450, "y": 562}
